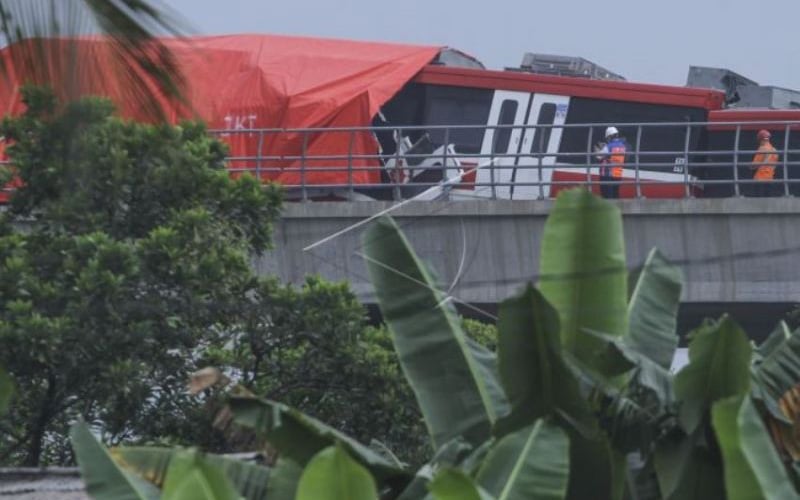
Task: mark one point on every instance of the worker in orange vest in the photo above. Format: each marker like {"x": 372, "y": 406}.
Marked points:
{"x": 764, "y": 162}
{"x": 612, "y": 159}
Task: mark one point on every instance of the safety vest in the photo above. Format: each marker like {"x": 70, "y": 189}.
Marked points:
{"x": 765, "y": 161}
{"x": 616, "y": 157}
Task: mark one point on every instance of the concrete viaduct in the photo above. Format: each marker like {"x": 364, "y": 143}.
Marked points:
{"x": 740, "y": 255}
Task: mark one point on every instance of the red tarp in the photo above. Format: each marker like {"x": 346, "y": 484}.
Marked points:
{"x": 264, "y": 81}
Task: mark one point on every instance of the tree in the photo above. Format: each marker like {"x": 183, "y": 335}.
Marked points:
{"x": 125, "y": 253}
{"x": 311, "y": 348}
{"x": 125, "y": 258}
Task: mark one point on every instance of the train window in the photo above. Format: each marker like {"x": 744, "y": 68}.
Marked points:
{"x": 502, "y": 136}
{"x": 547, "y": 116}
{"x": 669, "y": 140}
{"x": 458, "y": 106}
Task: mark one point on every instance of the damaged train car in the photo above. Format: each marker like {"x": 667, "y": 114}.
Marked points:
{"x": 343, "y": 119}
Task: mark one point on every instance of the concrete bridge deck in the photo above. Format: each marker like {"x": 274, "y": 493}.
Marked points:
{"x": 738, "y": 255}
{"x": 732, "y": 250}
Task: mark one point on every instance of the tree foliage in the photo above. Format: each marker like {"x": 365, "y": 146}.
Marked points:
{"x": 126, "y": 264}
{"x": 124, "y": 253}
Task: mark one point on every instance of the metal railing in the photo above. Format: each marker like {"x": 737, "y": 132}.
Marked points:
{"x": 324, "y": 163}
{"x": 510, "y": 166}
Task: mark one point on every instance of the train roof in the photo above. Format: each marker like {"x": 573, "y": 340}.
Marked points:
{"x": 758, "y": 118}
{"x": 708, "y": 99}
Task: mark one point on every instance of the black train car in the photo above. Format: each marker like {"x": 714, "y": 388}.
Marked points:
{"x": 482, "y": 98}
{"x": 721, "y": 141}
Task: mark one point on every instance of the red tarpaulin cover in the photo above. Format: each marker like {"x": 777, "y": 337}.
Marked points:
{"x": 264, "y": 81}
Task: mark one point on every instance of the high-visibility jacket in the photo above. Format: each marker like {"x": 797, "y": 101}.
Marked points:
{"x": 764, "y": 162}
{"x": 616, "y": 157}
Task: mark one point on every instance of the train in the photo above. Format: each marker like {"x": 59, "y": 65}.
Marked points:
{"x": 685, "y": 144}
{"x": 336, "y": 119}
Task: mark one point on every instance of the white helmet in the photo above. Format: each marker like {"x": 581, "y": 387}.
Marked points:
{"x": 611, "y": 131}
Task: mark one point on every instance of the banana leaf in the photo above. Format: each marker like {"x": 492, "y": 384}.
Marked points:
{"x": 653, "y": 310}
{"x": 583, "y": 273}
{"x": 779, "y": 369}
{"x": 190, "y": 477}
{"x": 719, "y": 367}
{"x": 454, "y": 379}
{"x": 753, "y": 468}
{"x": 687, "y": 469}
{"x": 151, "y": 463}
{"x": 453, "y": 484}
{"x": 531, "y": 463}
{"x": 300, "y": 437}
{"x": 284, "y": 478}
{"x": 333, "y": 475}
{"x": 536, "y": 379}
{"x": 455, "y": 453}
{"x": 104, "y": 479}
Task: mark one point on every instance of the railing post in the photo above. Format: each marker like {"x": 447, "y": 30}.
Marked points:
{"x": 491, "y": 165}
{"x": 687, "y": 191}
{"x": 395, "y": 175}
{"x": 304, "y": 192}
{"x": 636, "y": 160}
{"x": 444, "y": 157}
{"x": 736, "y": 190}
{"x": 589, "y": 158}
{"x": 350, "y": 165}
{"x": 538, "y": 128}
{"x": 786, "y": 161}
{"x": 259, "y": 154}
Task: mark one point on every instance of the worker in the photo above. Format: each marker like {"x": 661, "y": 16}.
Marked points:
{"x": 764, "y": 163}
{"x": 612, "y": 158}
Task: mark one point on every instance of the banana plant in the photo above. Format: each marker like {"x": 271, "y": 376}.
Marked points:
{"x": 163, "y": 473}
{"x": 569, "y": 400}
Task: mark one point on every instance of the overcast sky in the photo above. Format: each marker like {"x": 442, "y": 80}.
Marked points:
{"x": 644, "y": 40}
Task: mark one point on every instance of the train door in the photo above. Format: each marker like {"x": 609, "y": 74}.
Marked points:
{"x": 533, "y": 173}
{"x": 508, "y": 108}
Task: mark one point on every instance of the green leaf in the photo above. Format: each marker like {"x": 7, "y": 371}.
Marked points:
{"x": 753, "y": 468}
{"x": 779, "y": 335}
{"x": 190, "y": 477}
{"x": 103, "y": 478}
{"x": 583, "y": 272}
{"x": 592, "y": 469}
{"x": 333, "y": 475}
{"x": 719, "y": 367}
{"x": 452, "y": 484}
{"x": 300, "y": 437}
{"x": 762, "y": 456}
{"x": 532, "y": 463}
{"x": 6, "y": 390}
{"x": 534, "y": 375}
{"x": 688, "y": 470}
{"x": 653, "y": 310}
{"x": 250, "y": 480}
{"x": 284, "y": 478}
{"x": 456, "y": 452}
{"x": 740, "y": 481}
{"x": 779, "y": 370}
{"x": 384, "y": 451}
{"x": 454, "y": 379}
{"x": 646, "y": 372}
